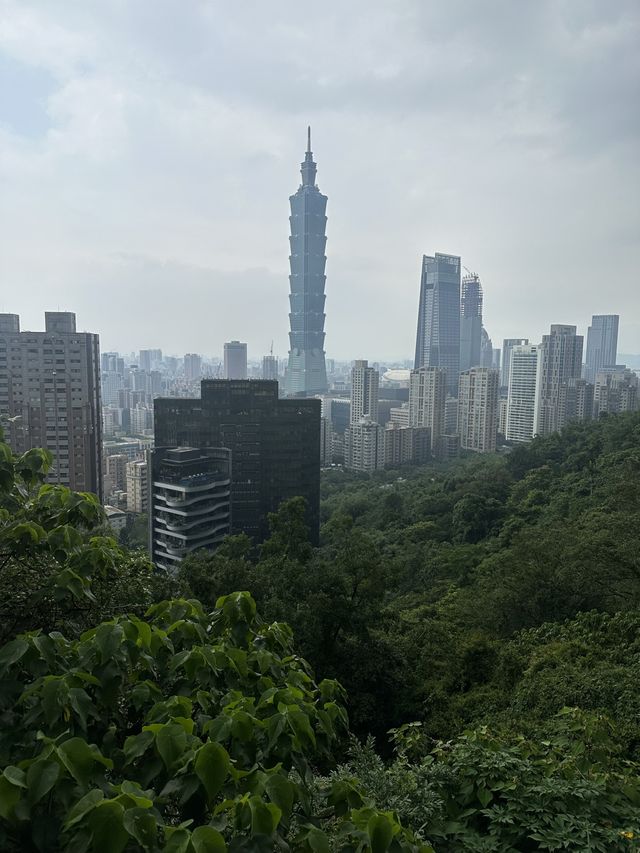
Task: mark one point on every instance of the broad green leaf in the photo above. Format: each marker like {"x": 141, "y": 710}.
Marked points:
{"x": 485, "y": 796}
{"x": 141, "y": 825}
{"x": 380, "y": 833}
{"x": 178, "y": 841}
{"x": 317, "y": 840}
{"x": 171, "y": 742}
{"x": 79, "y": 758}
{"x": 282, "y": 792}
{"x": 137, "y": 745}
{"x": 9, "y": 797}
{"x": 83, "y": 806}
{"x": 12, "y": 652}
{"x": 41, "y": 777}
{"x": 206, "y": 839}
{"x": 15, "y": 775}
{"x": 211, "y": 767}
{"x": 264, "y": 816}
{"x": 107, "y": 828}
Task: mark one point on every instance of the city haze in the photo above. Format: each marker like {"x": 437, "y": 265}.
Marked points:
{"x": 149, "y": 151}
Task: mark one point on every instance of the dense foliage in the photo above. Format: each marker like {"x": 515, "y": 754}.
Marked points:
{"x": 487, "y": 611}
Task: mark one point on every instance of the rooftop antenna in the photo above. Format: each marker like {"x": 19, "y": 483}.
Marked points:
{"x": 309, "y": 139}
{"x": 271, "y": 350}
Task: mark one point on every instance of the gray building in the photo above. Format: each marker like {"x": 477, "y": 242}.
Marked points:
{"x": 559, "y": 360}
{"x": 50, "y": 383}
{"x": 427, "y": 401}
{"x": 602, "y": 344}
{"x": 470, "y": 322}
{"x": 191, "y": 502}
{"x": 192, "y": 367}
{"x": 438, "y": 334}
{"x": 478, "y": 409}
{"x": 270, "y": 367}
{"x": 306, "y": 369}
{"x": 365, "y": 382}
{"x": 235, "y": 360}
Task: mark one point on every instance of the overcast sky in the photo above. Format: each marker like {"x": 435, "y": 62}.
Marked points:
{"x": 148, "y": 149}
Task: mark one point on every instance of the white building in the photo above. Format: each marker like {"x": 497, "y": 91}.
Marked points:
{"x": 364, "y": 446}
{"x": 521, "y": 400}
{"x": 137, "y": 487}
{"x": 364, "y": 392}
{"x": 478, "y": 409}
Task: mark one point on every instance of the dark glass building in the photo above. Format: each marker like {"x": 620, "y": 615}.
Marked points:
{"x": 274, "y": 444}
{"x": 438, "y": 336}
{"x": 190, "y": 502}
{"x": 306, "y": 370}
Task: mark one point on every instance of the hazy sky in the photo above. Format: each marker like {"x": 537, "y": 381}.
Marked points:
{"x": 148, "y": 149}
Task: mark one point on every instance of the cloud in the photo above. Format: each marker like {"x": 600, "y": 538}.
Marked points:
{"x": 152, "y": 155}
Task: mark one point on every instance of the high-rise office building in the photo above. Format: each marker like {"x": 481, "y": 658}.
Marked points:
{"x": 50, "y": 382}
{"x": 507, "y": 346}
{"x": 274, "y": 444}
{"x": 521, "y": 399}
{"x": 191, "y": 502}
{"x": 427, "y": 400}
{"x": 306, "y": 370}
{"x": 577, "y": 399}
{"x": 486, "y": 349}
{"x": 270, "y": 367}
{"x": 235, "y": 360}
{"x": 478, "y": 409}
{"x": 149, "y": 359}
{"x": 192, "y": 367}
{"x": 602, "y": 344}
{"x": 559, "y": 360}
{"x": 364, "y": 392}
{"x": 470, "y": 322}
{"x": 438, "y": 335}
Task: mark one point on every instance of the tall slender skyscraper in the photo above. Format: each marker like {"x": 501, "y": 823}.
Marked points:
{"x": 306, "y": 371}
{"x": 364, "y": 392}
{"x": 521, "y": 381}
{"x": 438, "y": 336}
{"x": 602, "y": 344}
{"x": 470, "y": 322}
{"x": 478, "y": 409}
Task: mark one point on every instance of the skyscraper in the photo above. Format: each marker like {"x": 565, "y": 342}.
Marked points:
{"x": 427, "y": 401}
{"x": 559, "y": 360}
{"x": 274, "y": 444}
{"x": 269, "y": 366}
{"x": 306, "y": 370}
{"x": 602, "y": 344}
{"x": 438, "y": 335}
{"x": 507, "y": 346}
{"x": 478, "y": 409}
{"x": 192, "y": 366}
{"x": 235, "y": 360}
{"x": 364, "y": 392}
{"x": 521, "y": 399}
{"x": 50, "y": 382}
{"x": 470, "y": 322}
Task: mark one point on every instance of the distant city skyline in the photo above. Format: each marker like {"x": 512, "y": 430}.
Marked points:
{"x": 147, "y": 161}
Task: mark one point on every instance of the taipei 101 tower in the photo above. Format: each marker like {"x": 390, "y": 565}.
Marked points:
{"x": 306, "y": 372}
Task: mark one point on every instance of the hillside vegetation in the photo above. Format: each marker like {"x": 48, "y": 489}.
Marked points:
{"x": 483, "y": 618}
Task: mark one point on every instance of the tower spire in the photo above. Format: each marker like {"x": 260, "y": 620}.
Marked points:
{"x": 308, "y": 167}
